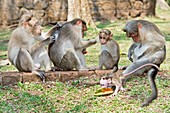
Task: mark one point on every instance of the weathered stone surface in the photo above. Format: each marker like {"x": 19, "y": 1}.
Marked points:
{"x": 53, "y": 76}
{"x": 29, "y": 4}
{"x": 19, "y": 3}
{"x": 38, "y": 13}
{"x": 7, "y": 78}
{"x": 29, "y": 77}
{"x": 40, "y": 5}
{"x": 135, "y": 13}
{"x": 51, "y": 11}
{"x": 102, "y": 72}
{"x": 68, "y": 75}
{"x": 10, "y": 78}
{"x": 86, "y": 73}
{"x": 138, "y": 5}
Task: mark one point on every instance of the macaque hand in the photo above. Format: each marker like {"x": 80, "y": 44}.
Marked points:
{"x": 52, "y": 39}
{"x": 114, "y": 94}
{"x": 122, "y": 89}
{"x": 93, "y": 41}
{"x": 58, "y": 26}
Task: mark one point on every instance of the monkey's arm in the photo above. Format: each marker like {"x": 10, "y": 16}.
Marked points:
{"x": 52, "y": 30}
{"x": 41, "y": 44}
{"x": 114, "y": 50}
{"x": 86, "y": 43}
{"x": 131, "y": 51}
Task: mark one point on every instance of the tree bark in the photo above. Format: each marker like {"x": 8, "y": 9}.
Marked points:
{"x": 162, "y": 4}
{"x": 80, "y": 9}
{"x": 151, "y": 10}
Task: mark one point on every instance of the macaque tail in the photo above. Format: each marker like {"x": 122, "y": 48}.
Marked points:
{"x": 148, "y": 64}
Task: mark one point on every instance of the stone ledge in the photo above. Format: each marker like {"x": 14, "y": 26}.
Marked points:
{"x": 7, "y": 78}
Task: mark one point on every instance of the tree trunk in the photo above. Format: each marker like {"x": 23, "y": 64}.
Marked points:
{"x": 151, "y": 10}
{"x": 162, "y": 4}
{"x": 86, "y": 13}
{"x": 80, "y": 9}
{"x": 70, "y": 15}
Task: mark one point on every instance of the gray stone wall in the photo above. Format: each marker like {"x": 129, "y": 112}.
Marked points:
{"x": 51, "y": 11}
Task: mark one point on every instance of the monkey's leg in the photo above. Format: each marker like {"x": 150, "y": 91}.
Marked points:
{"x": 107, "y": 60}
{"x": 25, "y": 63}
{"x": 151, "y": 76}
{"x": 100, "y": 61}
{"x": 116, "y": 90}
{"x": 41, "y": 57}
{"x": 82, "y": 58}
{"x": 70, "y": 61}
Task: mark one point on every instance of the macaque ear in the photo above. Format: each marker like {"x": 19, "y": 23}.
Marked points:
{"x": 79, "y": 22}
{"x": 139, "y": 25}
{"x": 111, "y": 35}
{"x": 25, "y": 24}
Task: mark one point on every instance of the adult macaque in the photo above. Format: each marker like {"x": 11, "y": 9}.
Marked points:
{"x": 66, "y": 52}
{"x": 24, "y": 53}
{"x": 110, "y": 52}
{"x": 148, "y": 47}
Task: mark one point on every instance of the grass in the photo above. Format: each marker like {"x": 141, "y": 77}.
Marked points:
{"x": 70, "y": 97}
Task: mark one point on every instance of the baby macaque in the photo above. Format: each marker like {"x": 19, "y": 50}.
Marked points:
{"x": 110, "y": 52}
{"x": 114, "y": 79}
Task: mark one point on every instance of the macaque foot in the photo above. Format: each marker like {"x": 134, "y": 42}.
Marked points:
{"x": 41, "y": 74}
{"x": 122, "y": 89}
{"x": 56, "y": 69}
{"x": 115, "y": 68}
{"x": 114, "y": 94}
{"x": 83, "y": 69}
{"x": 93, "y": 68}
{"x": 37, "y": 65}
{"x": 52, "y": 39}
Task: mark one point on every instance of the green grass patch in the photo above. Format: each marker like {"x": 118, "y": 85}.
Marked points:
{"x": 71, "y": 97}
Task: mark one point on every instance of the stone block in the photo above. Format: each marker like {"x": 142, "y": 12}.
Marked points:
{"x": 68, "y": 75}
{"x": 100, "y": 73}
{"x": 29, "y": 77}
{"x": 53, "y": 76}
{"x": 10, "y": 78}
{"x": 86, "y": 73}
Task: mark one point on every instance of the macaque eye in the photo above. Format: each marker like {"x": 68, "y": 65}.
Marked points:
{"x": 102, "y": 38}
{"x": 133, "y": 35}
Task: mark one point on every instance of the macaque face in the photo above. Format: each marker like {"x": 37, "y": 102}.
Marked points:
{"x": 103, "y": 38}
{"x": 35, "y": 27}
{"x": 135, "y": 37}
{"x": 84, "y": 28}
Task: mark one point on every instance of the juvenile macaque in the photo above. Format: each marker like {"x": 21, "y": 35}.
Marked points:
{"x": 148, "y": 47}
{"x": 66, "y": 52}
{"x": 110, "y": 52}
{"x": 23, "y": 51}
{"x": 114, "y": 79}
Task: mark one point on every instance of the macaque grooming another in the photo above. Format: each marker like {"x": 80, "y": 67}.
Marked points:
{"x": 24, "y": 53}
{"x": 148, "y": 47}
{"x": 110, "y": 52}
{"x": 66, "y": 52}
